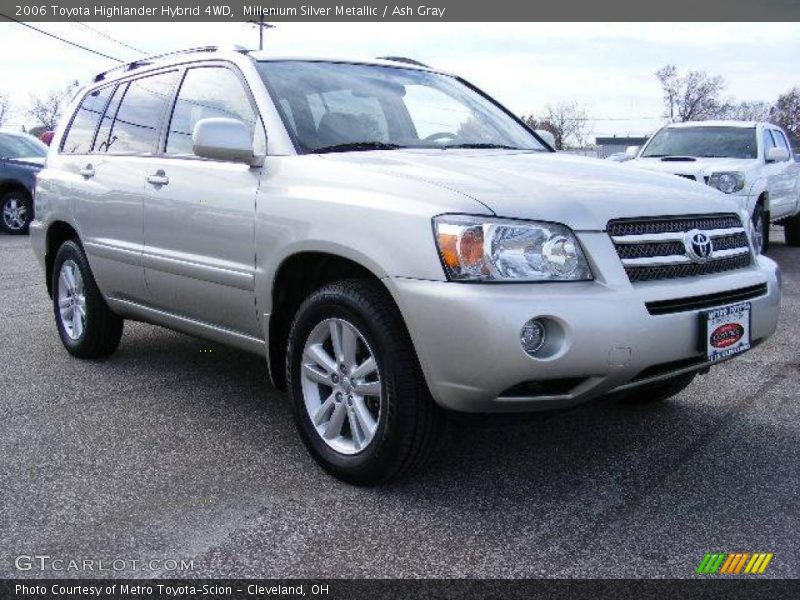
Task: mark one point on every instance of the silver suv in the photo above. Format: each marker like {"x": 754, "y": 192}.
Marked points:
{"x": 391, "y": 239}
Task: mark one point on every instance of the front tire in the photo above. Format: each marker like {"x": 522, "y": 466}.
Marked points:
{"x": 761, "y": 227}
{"x": 15, "y": 212}
{"x": 359, "y": 398}
{"x": 87, "y": 327}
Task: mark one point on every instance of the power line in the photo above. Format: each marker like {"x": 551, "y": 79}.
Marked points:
{"x": 60, "y": 39}
{"x": 108, "y": 37}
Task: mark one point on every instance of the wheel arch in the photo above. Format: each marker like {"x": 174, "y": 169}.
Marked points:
{"x": 295, "y": 278}
{"x": 14, "y": 185}
{"x": 57, "y": 233}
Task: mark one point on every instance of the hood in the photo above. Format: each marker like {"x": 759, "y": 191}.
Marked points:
{"x": 697, "y": 167}
{"x": 583, "y": 193}
{"x": 32, "y": 161}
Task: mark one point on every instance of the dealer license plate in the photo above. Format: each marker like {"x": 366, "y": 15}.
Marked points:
{"x": 727, "y": 331}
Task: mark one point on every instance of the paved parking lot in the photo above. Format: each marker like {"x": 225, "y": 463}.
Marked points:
{"x": 177, "y": 449}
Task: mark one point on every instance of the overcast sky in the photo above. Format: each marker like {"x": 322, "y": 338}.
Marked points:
{"x": 607, "y": 67}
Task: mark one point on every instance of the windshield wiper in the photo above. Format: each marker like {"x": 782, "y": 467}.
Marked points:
{"x": 356, "y": 147}
{"x": 480, "y": 146}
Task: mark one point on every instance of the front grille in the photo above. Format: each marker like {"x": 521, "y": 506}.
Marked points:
{"x": 671, "y": 224}
{"x": 654, "y": 248}
{"x": 665, "y": 307}
{"x": 636, "y": 274}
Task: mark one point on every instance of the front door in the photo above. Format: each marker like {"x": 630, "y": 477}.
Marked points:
{"x": 199, "y": 214}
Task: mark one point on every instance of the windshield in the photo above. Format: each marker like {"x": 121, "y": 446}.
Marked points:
{"x": 727, "y": 142}
{"x": 20, "y": 146}
{"x": 330, "y": 107}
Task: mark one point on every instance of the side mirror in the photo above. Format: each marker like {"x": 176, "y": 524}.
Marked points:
{"x": 223, "y": 139}
{"x": 777, "y": 155}
{"x": 548, "y": 137}
{"x": 632, "y": 151}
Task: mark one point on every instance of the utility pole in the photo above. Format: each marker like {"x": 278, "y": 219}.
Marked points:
{"x": 261, "y": 27}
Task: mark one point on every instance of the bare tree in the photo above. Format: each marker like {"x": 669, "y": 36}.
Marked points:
{"x": 786, "y": 112}
{"x": 747, "y": 111}
{"x": 691, "y": 97}
{"x": 47, "y": 109}
{"x": 5, "y": 106}
{"x": 567, "y": 121}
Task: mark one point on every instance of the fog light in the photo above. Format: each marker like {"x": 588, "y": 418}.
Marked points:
{"x": 532, "y": 336}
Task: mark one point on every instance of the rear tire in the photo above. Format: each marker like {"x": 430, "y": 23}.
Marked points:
{"x": 791, "y": 230}
{"x": 16, "y": 211}
{"x": 657, "y": 392}
{"x": 335, "y": 332}
{"x": 87, "y": 327}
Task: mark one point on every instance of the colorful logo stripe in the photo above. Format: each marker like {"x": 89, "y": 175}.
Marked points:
{"x": 734, "y": 563}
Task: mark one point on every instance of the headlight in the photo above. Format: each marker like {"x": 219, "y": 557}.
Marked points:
{"x": 482, "y": 249}
{"x": 727, "y": 182}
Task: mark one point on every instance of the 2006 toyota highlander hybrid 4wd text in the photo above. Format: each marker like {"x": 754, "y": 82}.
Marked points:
{"x": 393, "y": 241}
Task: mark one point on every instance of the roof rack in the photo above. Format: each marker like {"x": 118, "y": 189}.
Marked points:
{"x": 403, "y": 59}
{"x": 148, "y": 60}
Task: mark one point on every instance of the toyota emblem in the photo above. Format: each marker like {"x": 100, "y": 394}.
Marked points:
{"x": 699, "y": 246}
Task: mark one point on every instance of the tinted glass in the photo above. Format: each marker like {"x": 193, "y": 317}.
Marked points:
{"x": 20, "y": 146}
{"x": 207, "y": 92}
{"x": 135, "y": 126}
{"x": 102, "y": 141}
{"x": 728, "y": 142}
{"x": 329, "y": 105}
{"x": 84, "y": 124}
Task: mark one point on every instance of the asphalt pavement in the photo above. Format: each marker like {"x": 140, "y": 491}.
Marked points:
{"x": 175, "y": 449}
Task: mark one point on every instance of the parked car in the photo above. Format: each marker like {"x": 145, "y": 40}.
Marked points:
{"x": 750, "y": 162}
{"x": 392, "y": 240}
{"x": 21, "y": 157}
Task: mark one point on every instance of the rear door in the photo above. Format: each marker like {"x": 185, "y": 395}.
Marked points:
{"x": 110, "y": 209}
{"x": 199, "y": 214}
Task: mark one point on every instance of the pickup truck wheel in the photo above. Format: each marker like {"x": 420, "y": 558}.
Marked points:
{"x": 359, "y": 398}
{"x": 659, "y": 391}
{"x": 87, "y": 327}
{"x": 761, "y": 228}
{"x": 16, "y": 212}
{"x": 791, "y": 230}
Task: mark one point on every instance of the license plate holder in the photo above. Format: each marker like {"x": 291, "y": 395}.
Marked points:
{"x": 726, "y": 331}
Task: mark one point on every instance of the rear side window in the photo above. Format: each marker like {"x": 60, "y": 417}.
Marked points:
{"x": 780, "y": 141}
{"x": 135, "y": 125}
{"x": 84, "y": 124}
{"x": 207, "y": 92}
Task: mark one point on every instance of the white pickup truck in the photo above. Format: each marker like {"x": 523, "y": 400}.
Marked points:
{"x": 751, "y": 162}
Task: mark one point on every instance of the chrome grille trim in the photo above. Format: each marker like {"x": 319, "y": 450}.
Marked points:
{"x": 681, "y": 259}
{"x": 655, "y": 248}
{"x": 671, "y": 236}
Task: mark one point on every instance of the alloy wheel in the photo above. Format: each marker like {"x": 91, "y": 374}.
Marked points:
{"x": 15, "y": 213}
{"x": 72, "y": 300}
{"x": 341, "y": 386}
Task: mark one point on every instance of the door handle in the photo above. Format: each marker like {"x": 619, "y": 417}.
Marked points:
{"x": 158, "y": 178}
{"x": 87, "y": 171}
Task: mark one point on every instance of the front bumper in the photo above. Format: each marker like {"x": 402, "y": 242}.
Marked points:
{"x": 467, "y": 336}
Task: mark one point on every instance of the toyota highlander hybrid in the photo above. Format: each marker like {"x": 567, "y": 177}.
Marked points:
{"x": 391, "y": 239}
